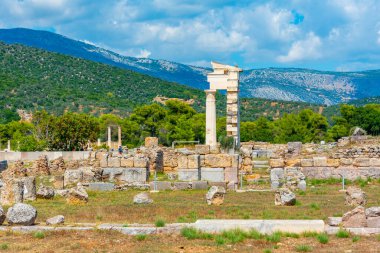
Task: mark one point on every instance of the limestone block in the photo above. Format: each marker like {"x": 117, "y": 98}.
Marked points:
{"x": 188, "y": 174}
{"x": 320, "y": 161}
{"x": 111, "y": 173}
{"x": 72, "y": 177}
{"x": 101, "y": 186}
{"x": 104, "y": 160}
{"x": 131, "y": 175}
{"x": 361, "y": 162}
{"x": 140, "y": 162}
{"x": 215, "y": 150}
{"x": 199, "y": 185}
{"x": 99, "y": 155}
{"x": 235, "y": 161}
{"x": 160, "y": 185}
{"x": 247, "y": 161}
{"x": 218, "y": 160}
{"x": 334, "y": 221}
{"x": 276, "y": 163}
{"x": 151, "y": 142}
{"x": 293, "y": 162}
{"x": 202, "y": 149}
{"x": 29, "y": 188}
{"x": 284, "y": 197}
{"x": 12, "y": 192}
{"x": 215, "y": 195}
{"x": 355, "y": 218}
{"x": 333, "y": 162}
{"x": 87, "y": 175}
{"x": 231, "y": 174}
{"x": 346, "y": 161}
{"x": 212, "y": 174}
{"x": 307, "y": 162}
{"x": 58, "y": 182}
{"x": 373, "y": 222}
{"x": 374, "y": 162}
{"x": 127, "y": 162}
{"x": 355, "y": 196}
{"x": 193, "y": 161}
{"x": 183, "y": 162}
{"x": 181, "y": 185}
{"x": 202, "y": 161}
{"x": 113, "y": 162}
{"x": 170, "y": 159}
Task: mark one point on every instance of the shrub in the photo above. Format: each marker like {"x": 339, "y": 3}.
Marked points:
{"x": 125, "y": 225}
{"x": 303, "y": 248}
{"x": 140, "y": 237}
{"x": 342, "y": 234}
{"x": 4, "y": 246}
{"x": 267, "y": 251}
{"x": 39, "y": 235}
{"x": 275, "y": 237}
{"x": 355, "y": 238}
{"x": 292, "y": 235}
{"x": 323, "y": 238}
{"x": 160, "y": 223}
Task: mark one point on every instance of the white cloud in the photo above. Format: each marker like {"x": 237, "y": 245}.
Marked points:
{"x": 143, "y": 54}
{"x": 306, "y": 49}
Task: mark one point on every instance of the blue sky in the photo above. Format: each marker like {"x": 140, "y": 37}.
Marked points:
{"x": 341, "y": 35}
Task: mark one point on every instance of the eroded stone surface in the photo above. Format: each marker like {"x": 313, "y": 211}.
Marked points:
{"x": 59, "y": 219}
{"x": 284, "y": 197}
{"x": 355, "y": 218}
{"x": 355, "y": 196}
{"x": 215, "y": 195}
{"x": 21, "y": 214}
{"x": 142, "y": 198}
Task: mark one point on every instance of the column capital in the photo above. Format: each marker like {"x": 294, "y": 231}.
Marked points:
{"x": 210, "y": 91}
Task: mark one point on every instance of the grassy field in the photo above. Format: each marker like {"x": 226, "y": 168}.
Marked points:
{"x": 108, "y": 241}
{"x": 318, "y": 202}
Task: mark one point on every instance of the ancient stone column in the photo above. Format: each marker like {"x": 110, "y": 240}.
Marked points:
{"x": 210, "y": 118}
{"x": 233, "y": 115}
{"x": 118, "y": 136}
{"x": 9, "y": 145}
{"x": 99, "y": 143}
{"x": 109, "y": 137}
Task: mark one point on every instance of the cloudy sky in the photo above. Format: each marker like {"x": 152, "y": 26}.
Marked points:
{"x": 339, "y": 35}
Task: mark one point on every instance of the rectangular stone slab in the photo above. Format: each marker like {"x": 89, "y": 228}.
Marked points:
{"x": 212, "y": 174}
{"x": 131, "y": 175}
{"x": 188, "y": 174}
{"x": 100, "y": 186}
{"x": 262, "y": 226}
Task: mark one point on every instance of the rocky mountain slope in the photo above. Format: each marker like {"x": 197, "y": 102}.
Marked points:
{"x": 310, "y": 86}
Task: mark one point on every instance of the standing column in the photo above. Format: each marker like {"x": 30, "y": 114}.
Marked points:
{"x": 9, "y": 145}
{"x": 109, "y": 137}
{"x": 210, "y": 118}
{"x": 118, "y": 136}
{"x": 233, "y": 115}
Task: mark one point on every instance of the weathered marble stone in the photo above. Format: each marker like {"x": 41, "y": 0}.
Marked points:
{"x": 142, "y": 198}
{"x": 29, "y": 188}
{"x": 215, "y": 195}
{"x": 355, "y": 196}
{"x": 202, "y": 149}
{"x": 284, "y": 197}
{"x": 277, "y": 163}
{"x": 45, "y": 192}
{"x": 160, "y": 185}
{"x": 127, "y": 162}
{"x": 77, "y": 195}
{"x": 212, "y": 174}
{"x": 199, "y": 185}
{"x": 188, "y": 174}
{"x": 101, "y": 186}
{"x": 218, "y": 160}
{"x": 320, "y": 161}
{"x": 307, "y": 162}
{"x": 21, "y": 214}
{"x": 59, "y": 219}
{"x": 193, "y": 161}
{"x": 114, "y": 162}
{"x": 361, "y": 162}
{"x": 355, "y": 218}
{"x": 12, "y": 191}
{"x": 334, "y": 221}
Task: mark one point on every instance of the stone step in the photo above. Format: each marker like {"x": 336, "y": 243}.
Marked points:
{"x": 261, "y": 162}
{"x": 260, "y": 166}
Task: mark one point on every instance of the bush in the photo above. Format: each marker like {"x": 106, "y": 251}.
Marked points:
{"x": 303, "y": 248}
{"x": 315, "y": 206}
{"x": 219, "y": 240}
{"x": 4, "y": 246}
{"x": 39, "y": 235}
{"x": 342, "y": 234}
{"x": 234, "y": 236}
{"x": 267, "y": 251}
{"x": 355, "y": 238}
{"x": 323, "y": 238}
{"x": 292, "y": 235}
{"x": 254, "y": 234}
{"x": 192, "y": 233}
{"x": 160, "y": 223}
{"x": 140, "y": 237}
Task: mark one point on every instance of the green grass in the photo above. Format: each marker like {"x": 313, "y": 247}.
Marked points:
{"x": 292, "y": 235}
{"x": 342, "y": 233}
{"x": 303, "y": 248}
{"x": 220, "y": 240}
{"x": 125, "y": 225}
{"x": 160, "y": 223}
{"x": 275, "y": 237}
{"x": 323, "y": 238}
{"x": 267, "y": 251}
{"x": 315, "y": 206}
{"x": 355, "y": 238}
{"x": 309, "y": 234}
{"x": 4, "y": 246}
{"x": 192, "y": 233}
{"x": 254, "y": 234}
{"x": 234, "y": 236}
{"x": 39, "y": 235}
{"x": 140, "y": 237}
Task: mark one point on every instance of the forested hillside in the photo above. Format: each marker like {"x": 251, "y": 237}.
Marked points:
{"x": 33, "y": 79}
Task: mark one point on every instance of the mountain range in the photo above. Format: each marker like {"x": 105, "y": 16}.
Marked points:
{"x": 289, "y": 84}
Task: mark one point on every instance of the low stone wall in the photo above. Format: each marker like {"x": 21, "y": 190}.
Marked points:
{"x": 32, "y": 156}
{"x": 325, "y": 167}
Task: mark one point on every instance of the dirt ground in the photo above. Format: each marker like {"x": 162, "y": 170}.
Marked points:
{"x": 108, "y": 241}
